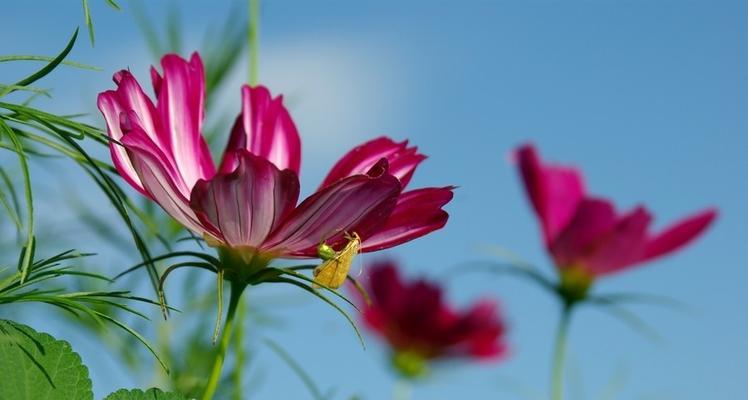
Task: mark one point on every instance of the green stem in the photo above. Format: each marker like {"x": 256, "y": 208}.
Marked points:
{"x": 254, "y": 40}
{"x": 215, "y": 374}
{"x": 559, "y": 353}
{"x": 403, "y": 390}
{"x": 239, "y": 350}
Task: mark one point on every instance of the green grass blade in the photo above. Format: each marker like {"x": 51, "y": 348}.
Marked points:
{"x": 51, "y": 65}
{"x": 326, "y": 300}
{"x": 48, "y": 60}
{"x": 323, "y": 287}
{"x": 88, "y": 21}
{"x": 28, "y": 254}
{"x": 13, "y": 195}
{"x": 296, "y": 368}
{"x": 137, "y": 335}
{"x": 113, "y": 4}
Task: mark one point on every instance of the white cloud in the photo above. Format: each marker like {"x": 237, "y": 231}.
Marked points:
{"x": 340, "y": 91}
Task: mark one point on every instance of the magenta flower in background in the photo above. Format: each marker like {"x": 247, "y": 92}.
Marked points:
{"x": 420, "y": 327}
{"x": 249, "y": 205}
{"x": 585, "y": 235}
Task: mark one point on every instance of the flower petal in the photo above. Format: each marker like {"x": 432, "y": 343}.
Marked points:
{"x": 360, "y": 204}
{"x": 387, "y": 293}
{"x": 480, "y": 326}
{"x": 156, "y": 81}
{"x": 160, "y": 179}
{"x": 554, "y": 191}
{"x": 679, "y": 234}
{"x": 266, "y": 129}
{"x": 132, "y": 98}
{"x": 109, "y": 105}
{"x": 402, "y": 159}
{"x": 593, "y": 220}
{"x": 413, "y": 316}
{"x": 180, "y": 106}
{"x": 622, "y": 247}
{"x": 417, "y": 213}
{"x": 242, "y": 207}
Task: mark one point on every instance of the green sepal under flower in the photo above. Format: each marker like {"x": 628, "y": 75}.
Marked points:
{"x": 574, "y": 284}
{"x": 410, "y": 364}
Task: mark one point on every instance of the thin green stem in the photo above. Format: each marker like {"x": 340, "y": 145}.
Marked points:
{"x": 559, "y": 354}
{"x": 215, "y": 374}
{"x": 403, "y": 390}
{"x": 239, "y": 351}
{"x": 28, "y": 250}
{"x": 253, "y": 36}
{"x": 163, "y": 338}
{"x": 47, "y": 59}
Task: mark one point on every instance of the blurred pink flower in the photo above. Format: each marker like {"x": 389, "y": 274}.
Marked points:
{"x": 249, "y": 203}
{"x": 585, "y": 235}
{"x": 413, "y": 318}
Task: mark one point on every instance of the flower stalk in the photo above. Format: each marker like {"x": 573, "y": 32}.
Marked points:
{"x": 215, "y": 375}
{"x": 239, "y": 350}
{"x": 559, "y": 352}
{"x": 253, "y": 34}
{"x": 403, "y": 390}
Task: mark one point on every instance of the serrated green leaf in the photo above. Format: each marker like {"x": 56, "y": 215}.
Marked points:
{"x": 36, "y": 366}
{"x": 150, "y": 394}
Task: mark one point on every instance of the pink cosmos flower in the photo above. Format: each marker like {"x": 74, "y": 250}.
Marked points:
{"x": 249, "y": 202}
{"x": 420, "y": 327}
{"x": 585, "y": 235}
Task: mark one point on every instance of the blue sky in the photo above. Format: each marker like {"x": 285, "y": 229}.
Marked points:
{"x": 648, "y": 97}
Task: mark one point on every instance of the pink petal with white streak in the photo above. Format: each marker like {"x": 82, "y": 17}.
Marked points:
{"x": 159, "y": 176}
{"x": 265, "y": 129}
{"x": 109, "y": 106}
{"x": 180, "y": 106}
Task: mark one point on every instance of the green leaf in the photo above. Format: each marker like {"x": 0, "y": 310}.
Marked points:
{"x": 35, "y": 365}
{"x": 28, "y": 254}
{"x": 150, "y": 394}
{"x": 113, "y": 4}
{"x": 89, "y": 21}
{"x": 52, "y": 64}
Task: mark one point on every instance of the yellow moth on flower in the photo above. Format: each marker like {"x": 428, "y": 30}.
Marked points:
{"x": 334, "y": 270}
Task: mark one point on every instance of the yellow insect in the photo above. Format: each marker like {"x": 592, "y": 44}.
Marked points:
{"x": 334, "y": 270}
